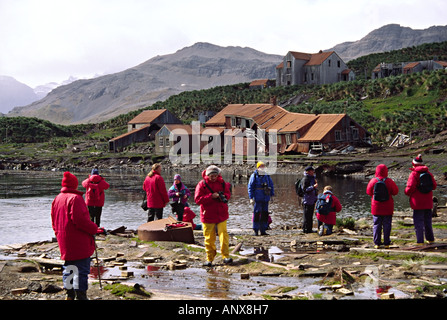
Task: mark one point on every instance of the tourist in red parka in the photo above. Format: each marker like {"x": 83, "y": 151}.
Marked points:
{"x": 74, "y": 232}
{"x": 212, "y": 194}
{"x": 421, "y": 203}
{"x": 327, "y": 222}
{"x": 382, "y": 211}
{"x": 95, "y": 185}
{"x": 157, "y": 195}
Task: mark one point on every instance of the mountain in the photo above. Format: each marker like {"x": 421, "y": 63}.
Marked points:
{"x": 387, "y": 38}
{"x": 14, "y": 93}
{"x": 42, "y": 90}
{"x": 200, "y": 66}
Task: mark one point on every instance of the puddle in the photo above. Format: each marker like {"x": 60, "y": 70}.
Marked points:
{"x": 270, "y": 254}
{"x": 209, "y": 283}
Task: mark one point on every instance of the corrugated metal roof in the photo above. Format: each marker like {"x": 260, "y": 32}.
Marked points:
{"x": 147, "y": 116}
{"x": 270, "y": 117}
{"x": 130, "y": 132}
{"x": 259, "y": 82}
{"x": 411, "y": 65}
{"x": 321, "y": 127}
{"x": 318, "y": 58}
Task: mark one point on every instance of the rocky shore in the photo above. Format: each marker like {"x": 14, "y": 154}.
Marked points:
{"x": 344, "y": 265}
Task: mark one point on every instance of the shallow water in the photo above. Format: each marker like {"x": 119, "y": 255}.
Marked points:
{"x": 26, "y": 197}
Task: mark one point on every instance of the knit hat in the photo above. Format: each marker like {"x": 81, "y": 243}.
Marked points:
{"x": 260, "y": 163}
{"x": 418, "y": 160}
{"x": 95, "y": 171}
{"x": 309, "y": 168}
{"x": 177, "y": 177}
{"x": 70, "y": 181}
{"x": 212, "y": 169}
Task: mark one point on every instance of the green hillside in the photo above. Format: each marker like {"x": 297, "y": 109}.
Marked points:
{"x": 412, "y": 104}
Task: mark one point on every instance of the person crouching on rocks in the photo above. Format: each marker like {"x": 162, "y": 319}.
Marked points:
{"x": 75, "y": 236}
{"x": 327, "y": 207}
{"x": 212, "y": 194}
{"x": 382, "y": 189}
{"x": 179, "y": 194}
{"x": 260, "y": 191}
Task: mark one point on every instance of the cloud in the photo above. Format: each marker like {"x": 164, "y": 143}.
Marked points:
{"x": 49, "y": 40}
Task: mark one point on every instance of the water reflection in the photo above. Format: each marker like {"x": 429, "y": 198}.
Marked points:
{"x": 25, "y": 201}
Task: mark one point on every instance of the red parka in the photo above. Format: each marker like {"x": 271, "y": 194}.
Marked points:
{"x": 157, "y": 196}
{"x": 331, "y": 217}
{"x": 212, "y": 210}
{"x": 95, "y": 186}
{"x": 72, "y": 225}
{"x": 385, "y": 208}
{"x": 419, "y": 200}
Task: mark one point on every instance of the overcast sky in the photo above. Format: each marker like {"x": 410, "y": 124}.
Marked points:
{"x": 50, "y": 40}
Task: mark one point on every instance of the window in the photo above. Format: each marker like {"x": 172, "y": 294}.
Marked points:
{"x": 311, "y": 76}
{"x": 289, "y": 64}
{"x": 355, "y": 133}
{"x": 298, "y": 135}
{"x": 338, "y": 63}
{"x": 233, "y": 122}
{"x": 329, "y": 62}
{"x": 288, "y": 138}
{"x": 161, "y": 142}
{"x": 337, "y": 135}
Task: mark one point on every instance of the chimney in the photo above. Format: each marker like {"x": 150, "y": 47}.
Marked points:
{"x": 273, "y": 101}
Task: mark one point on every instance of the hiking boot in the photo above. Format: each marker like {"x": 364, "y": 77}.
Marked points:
{"x": 81, "y": 295}
{"x": 208, "y": 264}
{"x": 376, "y": 247}
{"x": 228, "y": 260}
{"x": 70, "y": 294}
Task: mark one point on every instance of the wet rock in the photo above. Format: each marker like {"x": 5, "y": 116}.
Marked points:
{"x": 35, "y": 287}
{"x": 51, "y": 288}
{"x": 27, "y": 269}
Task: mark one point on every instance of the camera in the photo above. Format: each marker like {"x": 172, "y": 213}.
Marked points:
{"x": 222, "y": 197}
{"x": 267, "y": 189}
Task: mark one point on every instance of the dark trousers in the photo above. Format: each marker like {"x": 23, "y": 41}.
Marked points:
{"x": 178, "y": 208}
{"x": 154, "y": 212}
{"x": 260, "y": 216}
{"x": 308, "y": 217}
{"x": 75, "y": 274}
{"x": 95, "y": 214}
{"x": 382, "y": 223}
{"x": 423, "y": 225}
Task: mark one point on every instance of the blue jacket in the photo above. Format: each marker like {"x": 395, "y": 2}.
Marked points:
{"x": 256, "y": 189}
{"x": 310, "y": 193}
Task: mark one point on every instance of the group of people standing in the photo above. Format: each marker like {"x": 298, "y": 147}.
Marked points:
{"x": 76, "y": 221}
{"x": 419, "y": 189}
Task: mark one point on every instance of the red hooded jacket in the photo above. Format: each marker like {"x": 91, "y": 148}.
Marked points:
{"x": 95, "y": 186}
{"x": 385, "y": 208}
{"x": 71, "y": 222}
{"x": 331, "y": 217}
{"x": 212, "y": 210}
{"x": 419, "y": 200}
{"x": 157, "y": 196}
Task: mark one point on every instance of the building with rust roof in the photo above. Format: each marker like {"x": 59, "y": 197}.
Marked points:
{"x": 143, "y": 128}
{"x": 312, "y": 68}
{"x": 295, "y": 132}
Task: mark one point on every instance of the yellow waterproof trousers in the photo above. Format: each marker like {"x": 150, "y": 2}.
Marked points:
{"x": 209, "y": 232}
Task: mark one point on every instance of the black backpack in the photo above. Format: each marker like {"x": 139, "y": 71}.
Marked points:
{"x": 381, "y": 193}
{"x": 323, "y": 205}
{"x": 425, "y": 183}
{"x": 298, "y": 188}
